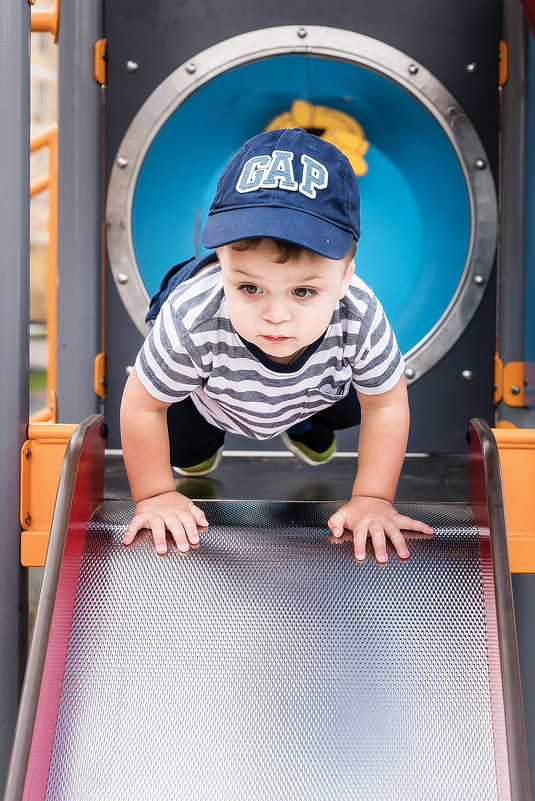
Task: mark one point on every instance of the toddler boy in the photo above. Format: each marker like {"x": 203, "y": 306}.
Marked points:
{"x": 271, "y": 334}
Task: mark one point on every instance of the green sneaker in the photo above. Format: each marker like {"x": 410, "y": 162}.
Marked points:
{"x": 203, "y": 468}
{"x": 314, "y": 447}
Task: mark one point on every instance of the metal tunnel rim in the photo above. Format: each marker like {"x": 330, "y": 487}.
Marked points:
{"x": 343, "y": 45}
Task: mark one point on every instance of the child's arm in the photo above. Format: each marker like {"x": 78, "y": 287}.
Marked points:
{"x": 382, "y": 442}
{"x": 146, "y": 456}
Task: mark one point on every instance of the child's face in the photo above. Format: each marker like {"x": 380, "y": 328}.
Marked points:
{"x": 281, "y": 308}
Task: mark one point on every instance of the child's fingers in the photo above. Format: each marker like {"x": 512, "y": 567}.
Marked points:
{"x": 158, "y": 534}
{"x": 154, "y": 523}
{"x": 413, "y": 525}
{"x": 181, "y": 523}
{"x": 183, "y": 529}
{"x": 136, "y": 524}
{"x": 359, "y": 543}
{"x": 337, "y": 523}
{"x": 179, "y": 535}
{"x": 198, "y": 515}
{"x": 397, "y": 539}
{"x": 379, "y": 543}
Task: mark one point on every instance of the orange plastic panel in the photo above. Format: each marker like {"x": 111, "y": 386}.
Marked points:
{"x": 513, "y": 383}
{"x": 505, "y": 424}
{"x": 517, "y": 458}
{"x": 41, "y": 460}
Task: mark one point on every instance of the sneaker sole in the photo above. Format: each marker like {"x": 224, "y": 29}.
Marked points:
{"x": 302, "y": 456}
{"x": 194, "y": 473}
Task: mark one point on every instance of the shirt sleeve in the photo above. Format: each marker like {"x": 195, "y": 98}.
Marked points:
{"x": 379, "y": 362}
{"x": 166, "y": 365}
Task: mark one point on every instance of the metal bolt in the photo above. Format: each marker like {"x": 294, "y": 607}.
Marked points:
{"x": 122, "y": 162}
{"x": 479, "y": 280}
{"x": 302, "y": 33}
{"x": 481, "y": 164}
{"x": 471, "y": 68}
{"x": 409, "y": 373}
{"x": 515, "y": 390}
{"x": 468, "y": 375}
{"x": 122, "y": 278}
{"x": 27, "y": 519}
{"x": 452, "y": 112}
{"x": 413, "y": 69}
{"x": 191, "y": 68}
{"x": 129, "y": 369}
{"x": 27, "y": 453}
{"x": 132, "y": 66}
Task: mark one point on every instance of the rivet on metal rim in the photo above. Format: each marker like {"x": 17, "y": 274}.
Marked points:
{"x": 413, "y": 69}
{"x": 479, "y": 280}
{"x": 302, "y": 33}
{"x": 122, "y": 278}
{"x": 409, "y": 373}
{"x": 481, "y": 164}
{"x": 191, "y": 68}
{"x": 122, "y": 162}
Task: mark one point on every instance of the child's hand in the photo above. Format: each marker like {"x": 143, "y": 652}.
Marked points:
{"x": 374, "y": 517}
{"x": 170, "y": 511}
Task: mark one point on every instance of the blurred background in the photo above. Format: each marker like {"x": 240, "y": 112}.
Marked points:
{"x": 44, "y": 112}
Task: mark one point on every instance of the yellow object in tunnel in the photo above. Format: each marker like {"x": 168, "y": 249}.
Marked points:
{"x": 336, "y": 127}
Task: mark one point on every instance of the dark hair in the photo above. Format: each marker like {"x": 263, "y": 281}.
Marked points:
{"x": 287, "y": 250}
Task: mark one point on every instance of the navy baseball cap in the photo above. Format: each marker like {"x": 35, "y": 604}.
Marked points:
{"x": 291, "y": 185}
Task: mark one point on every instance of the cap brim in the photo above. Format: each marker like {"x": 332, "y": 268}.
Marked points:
{"x": 290, "y": 225}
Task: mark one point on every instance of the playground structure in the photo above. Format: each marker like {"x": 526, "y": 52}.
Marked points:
{"x": 122, "y": 119}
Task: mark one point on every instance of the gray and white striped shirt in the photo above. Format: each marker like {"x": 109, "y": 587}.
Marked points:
{"x": 194, "y": 350}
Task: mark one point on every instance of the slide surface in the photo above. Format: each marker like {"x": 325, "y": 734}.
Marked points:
{"x": 268, "y": 664}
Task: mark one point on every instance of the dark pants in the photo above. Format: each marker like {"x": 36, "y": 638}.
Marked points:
{"x": 192, "y": 439}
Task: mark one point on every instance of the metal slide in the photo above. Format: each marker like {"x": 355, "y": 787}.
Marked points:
{"x": 267, "y": 663}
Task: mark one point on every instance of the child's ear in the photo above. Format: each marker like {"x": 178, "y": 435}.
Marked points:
{"x": 346, "y": 279}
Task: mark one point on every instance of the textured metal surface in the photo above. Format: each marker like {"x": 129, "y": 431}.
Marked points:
{"x": 268, "y": 664}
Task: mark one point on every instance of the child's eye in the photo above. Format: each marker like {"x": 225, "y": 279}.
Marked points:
{"x": 304, "y": 292}
{"x": 251, "y": 289}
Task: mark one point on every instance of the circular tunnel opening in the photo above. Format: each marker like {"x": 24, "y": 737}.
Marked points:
{"x": 419, "y": 198}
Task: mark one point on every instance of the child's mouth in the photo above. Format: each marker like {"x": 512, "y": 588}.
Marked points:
{"x": 274, "y": 339}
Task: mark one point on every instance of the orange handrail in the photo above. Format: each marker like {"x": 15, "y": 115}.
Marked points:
{"x": 48, "y": 137}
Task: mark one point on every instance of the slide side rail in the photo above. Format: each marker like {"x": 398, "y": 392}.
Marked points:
{"x": 79, "y": 493}
{"x": 487, "y": 504}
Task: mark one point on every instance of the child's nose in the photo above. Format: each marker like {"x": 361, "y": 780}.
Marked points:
{"x": 276, "y": 310}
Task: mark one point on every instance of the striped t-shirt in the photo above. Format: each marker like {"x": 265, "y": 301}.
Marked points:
{"x": 193, "y": 350}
